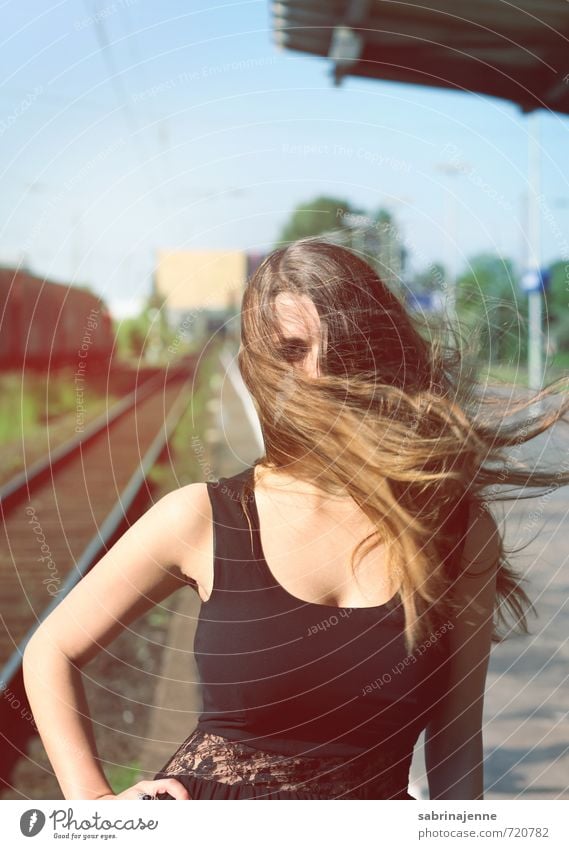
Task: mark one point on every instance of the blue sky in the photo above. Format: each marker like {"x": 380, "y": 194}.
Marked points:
{"x": 127, "y": 126}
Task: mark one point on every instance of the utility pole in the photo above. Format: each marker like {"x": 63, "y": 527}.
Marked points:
{"x": 452, "y": 168}
{"x": 535, "y": 304}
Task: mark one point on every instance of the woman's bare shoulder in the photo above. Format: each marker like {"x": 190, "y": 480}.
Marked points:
{"x": 187, "y": 520}
{"x": 185, "y": 510}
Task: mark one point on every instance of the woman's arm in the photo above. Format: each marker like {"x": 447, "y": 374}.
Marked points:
{"x": 139, "y": 571}
{"x": 453, "y": 740}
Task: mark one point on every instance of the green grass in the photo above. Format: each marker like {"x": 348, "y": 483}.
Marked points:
{"x": 122, "y": 777}
{"x": 20, "y": 407}
{"x": 187, "y": 468}
{"x": 29, "y": 401}
{"x": 557, "y": 367}
{"x": 158, "y": 617}
{"x": 505, "y": 373}
{"x": 560, "y": 362}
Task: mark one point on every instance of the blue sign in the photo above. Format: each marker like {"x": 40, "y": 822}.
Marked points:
{"x": 422, "y": 302}
{"x": 535, "y": 279}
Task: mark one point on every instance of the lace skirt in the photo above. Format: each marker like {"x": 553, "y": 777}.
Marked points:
{"x": 215, "y": 767}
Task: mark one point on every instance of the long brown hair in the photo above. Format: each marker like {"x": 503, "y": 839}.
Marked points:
{"x": 394, "y": 418}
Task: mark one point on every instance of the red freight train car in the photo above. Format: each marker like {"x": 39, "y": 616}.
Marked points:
{"x": 46, "y": 324}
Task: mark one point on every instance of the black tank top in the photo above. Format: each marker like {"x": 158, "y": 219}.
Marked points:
{"x": 305, "y": 681}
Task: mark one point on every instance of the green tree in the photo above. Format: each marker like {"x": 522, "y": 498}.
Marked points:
{"x": 382, "y": 217}
{"x": 316, "y": 217}
{"x": 146, "y": 335}
{"x": 489, "y": 299}
{"x": 430, "y": 279}
{"x": 557, "y": 304}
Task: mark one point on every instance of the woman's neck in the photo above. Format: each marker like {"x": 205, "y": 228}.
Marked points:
{"x": 284, "y": 481}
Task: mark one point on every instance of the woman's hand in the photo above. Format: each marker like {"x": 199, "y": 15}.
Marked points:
{"x": 171, "y": 786}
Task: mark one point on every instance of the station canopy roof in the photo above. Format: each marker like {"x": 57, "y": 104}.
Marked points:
{"x": 514, "y": 50}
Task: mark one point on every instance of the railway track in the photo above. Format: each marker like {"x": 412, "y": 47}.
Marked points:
{"x": 59, "y": 518}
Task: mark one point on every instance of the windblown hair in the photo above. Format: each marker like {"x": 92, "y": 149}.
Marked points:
{"x": 394, "y": 418}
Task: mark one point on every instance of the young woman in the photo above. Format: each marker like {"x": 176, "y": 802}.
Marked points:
{"x": 318, "y": 675}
